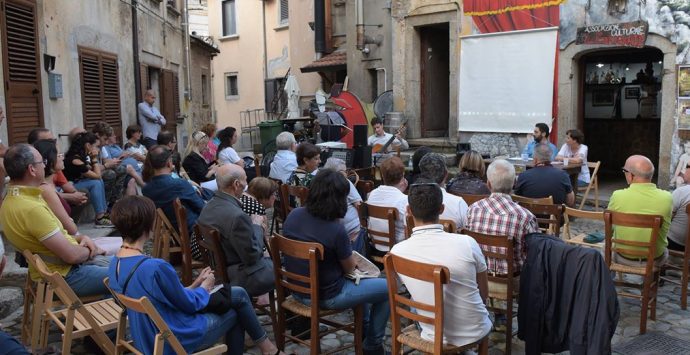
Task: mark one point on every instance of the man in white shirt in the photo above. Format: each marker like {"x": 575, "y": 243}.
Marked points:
{"x": 390, "y": 194}
{"x": 433, "y": 167}
{"x": 285, "y": 161}
{"x": 380, "y": 137}
{"x": 150, "y": 119}
{"x": 466, "y": 319}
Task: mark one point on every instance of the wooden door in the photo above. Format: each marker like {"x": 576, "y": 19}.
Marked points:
{"x": 169, "y": 100}
{"x": 434, "y": 83}
{"x": 22, "y": 68}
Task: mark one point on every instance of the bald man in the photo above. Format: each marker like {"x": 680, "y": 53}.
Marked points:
{"x": 241, "y": 237}
{"x": 643, "y": 197}
{"x": 150, "y": 119}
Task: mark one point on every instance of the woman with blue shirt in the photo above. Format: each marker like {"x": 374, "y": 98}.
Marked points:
{"x": 180, "y": 307}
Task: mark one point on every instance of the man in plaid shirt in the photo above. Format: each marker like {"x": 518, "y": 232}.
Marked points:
{"x": 499, "y": 215}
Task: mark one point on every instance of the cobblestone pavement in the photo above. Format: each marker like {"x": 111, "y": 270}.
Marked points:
{"x": 671, "y": 320}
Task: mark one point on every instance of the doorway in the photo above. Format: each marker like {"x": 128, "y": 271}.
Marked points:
{"x": 434, "y": 64}
{"x": 620, "y": 106}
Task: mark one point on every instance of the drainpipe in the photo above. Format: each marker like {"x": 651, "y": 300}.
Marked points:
{"x": 319, "y": 28}
{"x": 187, "y": 53}
{"x": 135, "y": 54}
{"x": 263, "y": 17}
{"x": 360, "y": 24}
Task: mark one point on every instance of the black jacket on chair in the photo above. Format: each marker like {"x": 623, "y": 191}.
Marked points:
{"x": 567, "y": 299}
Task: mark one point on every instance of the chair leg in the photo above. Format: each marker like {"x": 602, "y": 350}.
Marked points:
{"x": 69, "y": 327}
{"x": 484, "y": 346}
{"x": 509, "y": 324}
{"x": 654, "y": 293}
{"x": 359, "y": 331}
{"x": 280, "y": 328}
{"x": 645, "y": 303}
{"x": 684, "y": 285}
{"x": 596, "y": 195}
{"x": 272, "y": 311}
{"x": 315, "y": 336}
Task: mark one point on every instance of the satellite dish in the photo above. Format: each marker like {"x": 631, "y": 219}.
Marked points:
{"x": 383, "y": 104}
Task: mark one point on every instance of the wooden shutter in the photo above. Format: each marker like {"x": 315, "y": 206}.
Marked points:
{"x": 284, "y": 13}
{"x": 144, "y": 77}
{"x": 176, "y": 98}
{"x": 22, "y": 68}
{"x": 100, "y": 89}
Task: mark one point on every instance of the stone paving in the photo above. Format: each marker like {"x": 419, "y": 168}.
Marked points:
{"x": 671, "y": 320}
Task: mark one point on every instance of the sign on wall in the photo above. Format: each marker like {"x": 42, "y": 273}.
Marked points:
{"x": 628, "y": 34}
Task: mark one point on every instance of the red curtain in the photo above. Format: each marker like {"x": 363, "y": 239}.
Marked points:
{"x": 518, "y": 20}
{"x": 493, "y": 7}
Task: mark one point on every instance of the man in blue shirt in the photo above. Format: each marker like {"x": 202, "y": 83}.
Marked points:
{"x": 541, "y": 136}
{"x": 150, "y": 119}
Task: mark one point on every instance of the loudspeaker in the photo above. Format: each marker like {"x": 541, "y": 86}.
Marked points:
{"x": 360, "y": 135}
{"x": 362, "y": 158}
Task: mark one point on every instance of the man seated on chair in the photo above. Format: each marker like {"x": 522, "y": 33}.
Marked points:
{"x": 390, "y": 194}
{"x": 642, "y": 197}
{"x": 381, "y": 137}
{"x": 466, "y": 319}
{"x": 241, "y": 236}
{"x": 544, "y": 180}
{"x": 433, "y": 167}
{"x": 29, "y": 224}
{"x": 541, "y": 136}
{"x": 285, "y": 161}
{"x": 679, "y": 220}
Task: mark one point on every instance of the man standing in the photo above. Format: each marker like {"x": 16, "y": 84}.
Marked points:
{"x": 29, "y": 224}
{"x": 433, "y": 167}
{"x": 642, "y": 197}
{"x": 541, "y": 136}
{"x": 466, "y": 319}
{"x": 679, "y": 220}
{"x": 285, "y": 161}
{"x": 241, "y": 237}
{"x": 380, "y": 137}
{"x": 150, "y": 119}
{"x": 544, "y": 180}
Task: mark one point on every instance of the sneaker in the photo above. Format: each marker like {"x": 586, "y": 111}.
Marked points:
{"x": 103, "y": 222}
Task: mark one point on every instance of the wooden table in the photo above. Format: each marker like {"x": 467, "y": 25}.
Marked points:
{"x": 573, "y": 170}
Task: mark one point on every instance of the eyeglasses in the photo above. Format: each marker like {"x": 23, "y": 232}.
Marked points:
{"x": 626, "y": 171}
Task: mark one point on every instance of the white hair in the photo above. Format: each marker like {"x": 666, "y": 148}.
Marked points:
{"x": 501, "y": 176}
{"x": 335, "y": 164}
{"x": 285, "y": 140}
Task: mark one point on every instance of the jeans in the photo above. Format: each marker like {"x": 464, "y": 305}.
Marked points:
{"x": 233, "y": 324}
{"x": 86, "y": 279}
{"x": 148, "y": 142}
{"x": 373, "y": 294}
{"x": 96, "y": 190}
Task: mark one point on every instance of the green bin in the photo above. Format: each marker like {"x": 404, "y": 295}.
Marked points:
{"x": 268, "y": 130}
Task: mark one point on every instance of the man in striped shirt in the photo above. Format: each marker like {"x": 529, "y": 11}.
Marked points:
{"x": 499, "y": 215}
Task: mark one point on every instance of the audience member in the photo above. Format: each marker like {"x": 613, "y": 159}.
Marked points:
{"x": 134, "y": 147}
{"x": 82, "y": 168}
{"x": 8, "y": 343}
{"x": 150, "y": 118}
{"x": 29, "y": 224}
{"x": 184, "y": 309}
{"x": 226, "y": 154}
{"x": 576, "y": 152}
{"x": 351, "y": 220}
{"x": 541, "y": 136}
{"x": 260, "y": 195}
{"x": 168, "y": 140}
{"x": 285, "y": 161}
{"x": 210, "y": 129}
{"x": 390, "y": 194}
{"x": 308, "y": 160}
{"x": 416, "y": 157}
{"x": 642, "y": 197}
{"x": 466, "y": 319}
{"x": 678, "y": 230}
{"x": 318, "y": 223}
{"x": 196, "y": 166}
{"x": 433, "y": 167}
{"x": 544, "y": 180}
{"x": 119, "y": 169}
{"x": 54, "y": 163}
{"x": 472, "y": 177}
{"x": 241, "y": 236}
{"x": 499, "y": 215}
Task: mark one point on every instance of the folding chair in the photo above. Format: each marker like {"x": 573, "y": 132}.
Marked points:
{"x": 593, "y": 182}
{"x": 568, "y": 213}
{"x": 185, "y": 243}
{"x": 548, "y": 216}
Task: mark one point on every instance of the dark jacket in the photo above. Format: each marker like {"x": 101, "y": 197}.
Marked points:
{"x": 197, "y": 168}
{"x": 242, "y": 242}
{"x": 567, "y": 299}
{"x": 164, "y": 189}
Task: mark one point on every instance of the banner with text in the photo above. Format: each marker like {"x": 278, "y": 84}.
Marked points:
{"x": 628, "y": 34}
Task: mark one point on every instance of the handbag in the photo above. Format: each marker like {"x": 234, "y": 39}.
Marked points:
{"x": 219, "y": 301}
{"x": 364, "y": 269}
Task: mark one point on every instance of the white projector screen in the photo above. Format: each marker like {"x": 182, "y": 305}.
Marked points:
{"x": 506, "y": 81}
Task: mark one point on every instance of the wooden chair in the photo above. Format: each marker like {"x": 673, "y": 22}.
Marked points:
{"x": 401, "y": 304}
{"x": 290, "y": 193}
{"x": 449, "y": 226}
{"x": 593, "y": 182}
{"x": 536, "y": 201}
{"x": 549, "y": 217}
{"x": 568, "y": 213}
{"x": 185, "y": 242}
{"x": 635, "y": 249}
{"x": 75, "y": 319}
{"x": 165, "y": 238}
{"x": 214, "y": 256}
{"x": 143, "y": 305}
{"x": 287, "y": 281}
{"x": 684, "y": 268}
{"x": 364, "y": 187}
{"x": 279, "y": 213}
{"x": 507, "y": 289}
{"x": 381, "y": 238}
{"x": 471, "y": 198}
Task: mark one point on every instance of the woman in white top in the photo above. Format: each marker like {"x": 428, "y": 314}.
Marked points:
{"x": 226, "y": 154}
{"x": 575, "y": 152}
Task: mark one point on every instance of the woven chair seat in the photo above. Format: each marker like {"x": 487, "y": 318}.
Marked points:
{"x": 637, "y": 270}
{"x": 303, "y": 310}
{"x": 412, "y": 337}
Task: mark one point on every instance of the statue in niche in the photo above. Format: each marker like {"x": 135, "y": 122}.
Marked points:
{"x": 678, "y": 180}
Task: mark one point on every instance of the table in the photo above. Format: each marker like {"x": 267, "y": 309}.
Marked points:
{"x": 573, "y": 169}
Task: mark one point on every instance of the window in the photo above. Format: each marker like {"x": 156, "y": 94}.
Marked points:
{"x": 231, "y": 89}
{"x": 284, "y": 13}
{"x": 100, "y": 88}
{"x": 229, "y": 18}
{"x": 204, "y": 89}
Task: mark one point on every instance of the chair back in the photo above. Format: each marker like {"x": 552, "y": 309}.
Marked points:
{"x": 498, "y": 248}
{"x": 449, "y": 226}
{"x": 165, "y": 237}
{"x": 471, "y": 198}
{"x": 569, "y": 212}
{"x": 390, "y": 214}
{"x": 311, "y": 253}
{"x": 364, "y": 187}
{"x": 278, "y": 208}
{"x": 593, "y": 182}
{"x": 184, "y": 241}
{"x": 213, "y": 254}
{"x": 548, "y": 216}
{"x": 401, "y": 304}
{"x": 630, "y": 248}
{"x": 290, "y": 193}
{"x": 536, "y": 201}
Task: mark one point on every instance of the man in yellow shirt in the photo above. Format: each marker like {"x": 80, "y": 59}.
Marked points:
{"x": 29, "y": 224}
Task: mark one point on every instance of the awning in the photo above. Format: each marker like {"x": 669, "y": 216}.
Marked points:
{"x": 495, "y": 7}
{"x": 332, "y": 62}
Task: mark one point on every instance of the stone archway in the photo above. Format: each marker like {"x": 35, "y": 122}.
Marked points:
{"x": 570, "y": 95}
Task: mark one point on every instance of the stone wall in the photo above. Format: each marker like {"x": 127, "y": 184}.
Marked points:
{"x": 495, "y": 144}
